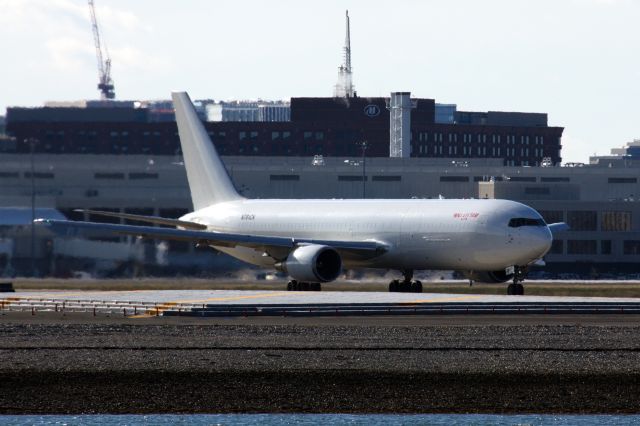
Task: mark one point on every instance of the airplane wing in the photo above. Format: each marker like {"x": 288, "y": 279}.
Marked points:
{"x": 558, "y": 227}
{"x": 276, "y": 247}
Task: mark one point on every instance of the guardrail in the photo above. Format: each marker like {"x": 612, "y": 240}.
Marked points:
{"x": 355, "y": 309}
{"x": 137, "y": 308}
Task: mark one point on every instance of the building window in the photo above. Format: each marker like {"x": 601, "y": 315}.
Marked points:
{"x": 349, "y": 178}
{"x": 623, "y": 180}
{"x": 631, "y": 247}
{"x": 319, "y": 136}
{"x": 605, "y": 247}
{"x": 581, "y": 246}
{"x": 582, "y": 220}
{"x": 39, "y": 175}
{"x": 557, "y": 247}
{"x": 108, "y": 176}
{"x": 143, "y": 175}
{"x": 537, "y": 190}
{"x": 308, "y": 135}
{"x": 522, "y": 179}
{"x": 386, "y": 178}
{"x": 615, "y": 221}
{"x": 552, "y": 216}
{"x": 275, "y": 135}
{"x": 454, "y": 178}
{"x": 242, "y": 136}
{"x": 555, "y": 179}
{"x": 284, "y": 177}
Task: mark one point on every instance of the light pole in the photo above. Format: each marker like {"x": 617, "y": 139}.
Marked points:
{"x": 32, "y": 143}
{"x": 363, "y": 145}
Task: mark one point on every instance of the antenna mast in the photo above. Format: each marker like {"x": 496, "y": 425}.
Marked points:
{"x": 105, "y": 83}
{"x": 347, "y": 47}
{"x": 344, "y": 87}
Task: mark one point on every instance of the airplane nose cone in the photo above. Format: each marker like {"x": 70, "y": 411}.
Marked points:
{"x": 534, "y": 243}
{"x": 541, "y": 241}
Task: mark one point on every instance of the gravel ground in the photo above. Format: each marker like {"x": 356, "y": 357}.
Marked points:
{"x": 80, "y": 365}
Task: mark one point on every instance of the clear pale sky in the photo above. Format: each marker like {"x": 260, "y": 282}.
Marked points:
{"x": 577, "y": 60}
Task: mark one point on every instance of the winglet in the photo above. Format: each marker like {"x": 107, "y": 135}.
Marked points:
{"x": 209, "y": 181}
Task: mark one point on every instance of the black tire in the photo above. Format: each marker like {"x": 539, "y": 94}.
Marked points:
{"x": 511, "y": 289}
{"x": 519, "y": 290}
{"x": 393, "y": 286}
{"x": 304, "y": 286}
{"x": 416, "y": 287}
{"x": 316, "y": 287}
{"x": 405, "y": 287}
{"x": 289, "y": 286}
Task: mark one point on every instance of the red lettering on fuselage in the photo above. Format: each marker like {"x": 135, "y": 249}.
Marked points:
{"x": 466, "y": 215}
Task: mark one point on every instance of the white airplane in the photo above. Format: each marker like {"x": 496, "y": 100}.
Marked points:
{"x": 313, "y": 240}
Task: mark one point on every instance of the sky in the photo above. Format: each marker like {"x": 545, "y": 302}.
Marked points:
{"x": 577, "y": 60}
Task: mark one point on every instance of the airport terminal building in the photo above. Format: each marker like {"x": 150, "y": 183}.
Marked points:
{"x": 127, "y": 163}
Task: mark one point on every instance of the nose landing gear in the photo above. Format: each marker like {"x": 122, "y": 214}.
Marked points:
{"x": 516, "y": 288}
{"x": 407, "y": 285}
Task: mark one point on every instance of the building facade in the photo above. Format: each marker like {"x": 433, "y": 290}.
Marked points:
{"x": 332, "y": 127}
{"x": 600, "y": 202}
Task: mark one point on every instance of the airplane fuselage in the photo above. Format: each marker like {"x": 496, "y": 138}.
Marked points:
{"x": 419, "y": 234}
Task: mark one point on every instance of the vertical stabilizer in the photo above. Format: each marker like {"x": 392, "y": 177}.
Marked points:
{"x": 208, "y": 178}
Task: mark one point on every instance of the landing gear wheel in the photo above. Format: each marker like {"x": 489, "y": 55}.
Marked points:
{"x": 416, "y": 287}
{"x": 292, "y": 285}
{"x": 516, "y": 288}
{"x": 316, "y": 287}
{"x": 394, "y": 286}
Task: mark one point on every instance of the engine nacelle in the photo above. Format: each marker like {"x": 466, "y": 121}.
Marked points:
{"x": 313, "y": 263}
{"x": 489, "y": 277}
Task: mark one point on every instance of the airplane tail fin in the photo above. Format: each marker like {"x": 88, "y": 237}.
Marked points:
{"x": 209, "y": 181}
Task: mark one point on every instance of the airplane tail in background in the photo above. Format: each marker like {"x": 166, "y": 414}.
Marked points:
{"x": 208, "y": 178}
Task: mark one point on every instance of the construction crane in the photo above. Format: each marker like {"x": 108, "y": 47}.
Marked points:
{"x": 105, "y": 83}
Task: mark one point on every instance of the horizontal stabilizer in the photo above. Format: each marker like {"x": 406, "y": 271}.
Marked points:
{"x": 558, "y": 227}
{"x": 150, "y": 219}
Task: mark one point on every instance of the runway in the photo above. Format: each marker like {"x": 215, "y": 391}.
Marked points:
{"x": 351, "y": 352}
{"x": 230, "y": 303}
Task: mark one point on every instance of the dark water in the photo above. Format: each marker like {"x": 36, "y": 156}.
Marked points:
{"x": 324, "y": 419}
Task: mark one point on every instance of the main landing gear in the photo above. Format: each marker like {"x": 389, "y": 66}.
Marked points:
{"x": 516, "y": 288}
{"x": 295, "y": 285}
{"x": 407, "y": 285}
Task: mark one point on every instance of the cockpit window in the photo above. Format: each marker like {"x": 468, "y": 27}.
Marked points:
{"x": 517, "y": 222}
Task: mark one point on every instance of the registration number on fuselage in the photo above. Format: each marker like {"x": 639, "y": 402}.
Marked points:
{"x": 248, "y": 217}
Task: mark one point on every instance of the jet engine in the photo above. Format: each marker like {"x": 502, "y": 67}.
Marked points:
{"x": 313, "y": 263}
{"x": 489, "y": 277}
